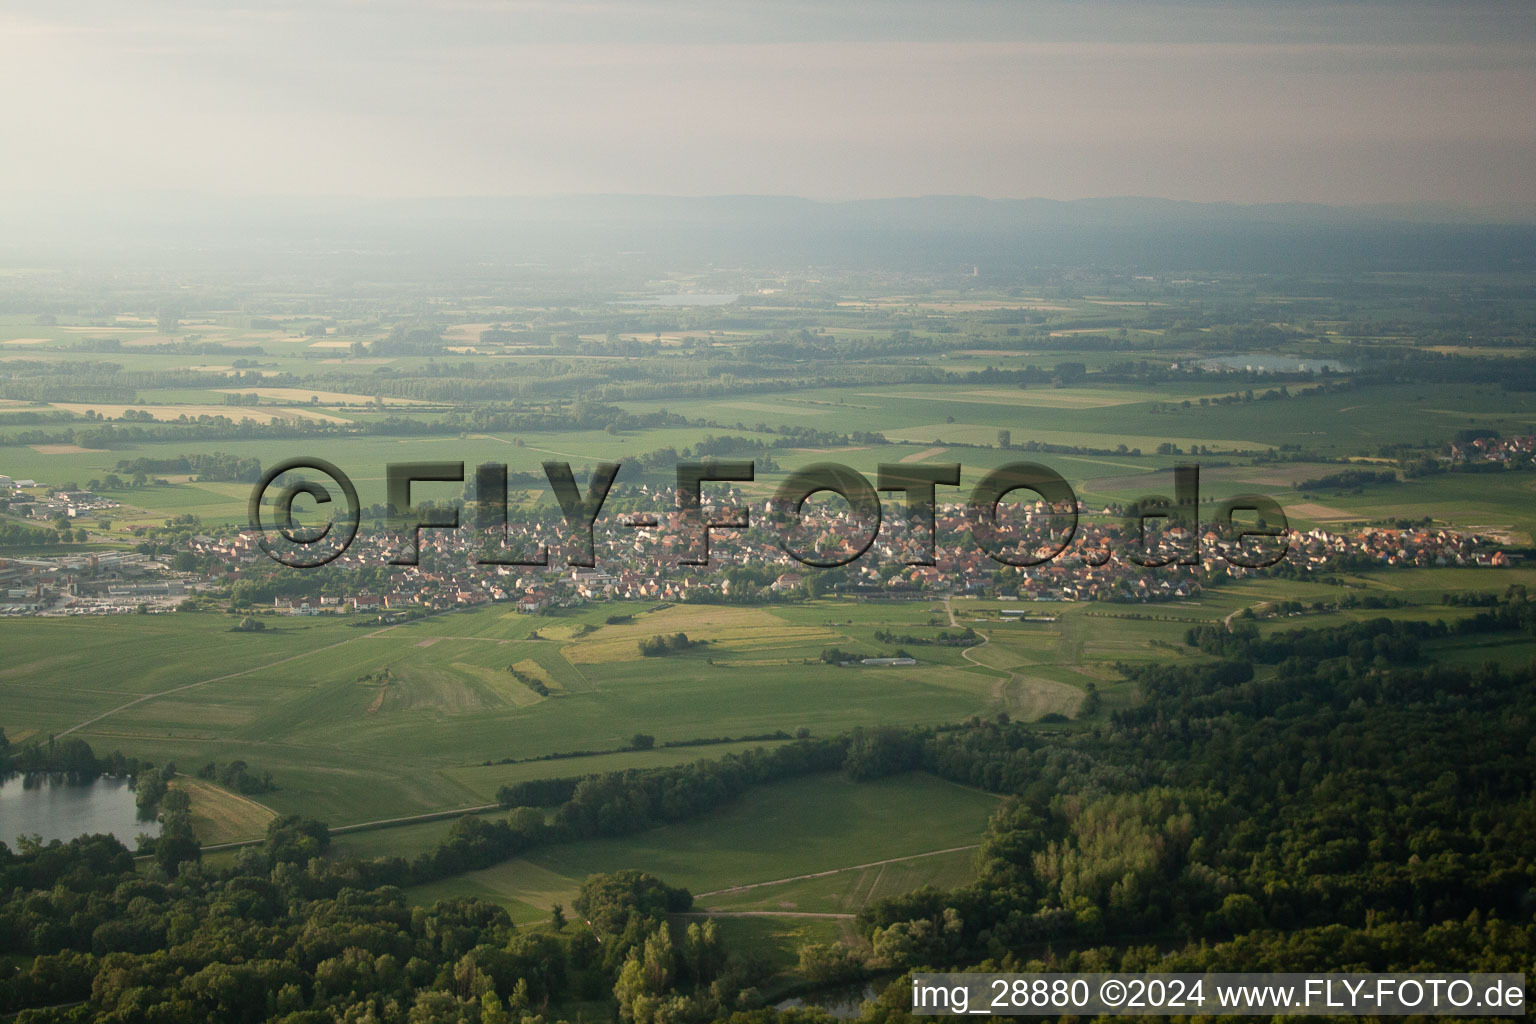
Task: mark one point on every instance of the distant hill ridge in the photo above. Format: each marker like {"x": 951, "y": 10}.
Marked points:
{"x": 945, "y": 233}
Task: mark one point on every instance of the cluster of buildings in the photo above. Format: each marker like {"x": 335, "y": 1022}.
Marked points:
{"x": 53, "y": 504}
{"x": 1505, "y": 450}
{"x": 99, "y": 583}
{"x": 750, "y": 565}
{"x": 637, "y": 557}
{"x": 1422, "y": 547}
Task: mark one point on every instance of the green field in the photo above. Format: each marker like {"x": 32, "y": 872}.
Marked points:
{"x": 290, "y": 701}
{"x": 939, "y": 423}
{"x": 807, "y": 826}
{"x": 849, "y": 890}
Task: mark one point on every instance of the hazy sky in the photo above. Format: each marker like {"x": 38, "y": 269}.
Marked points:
{"x": 1249, "y": 101}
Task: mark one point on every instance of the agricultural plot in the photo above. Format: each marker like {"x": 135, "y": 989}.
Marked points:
{"x": 219, "y": 816}
{"x": 971, "y": 432}
{"x": 168, "y": 413}
{"x": 848, "y": 890}
{"x": 485, "y": 779}
{"x": 1501, "y": 506}
{"x": 916, "y": 421}
{"x": 358, "y": 722}
{"x": 1040, "y": 398}
{"x": 318, "y": 397}
{"x": 802, "y": 827}
{"x": 407, "y": 839}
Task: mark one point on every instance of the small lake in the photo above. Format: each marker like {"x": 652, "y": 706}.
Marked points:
{"x": 840, "y": 1001}
{"x": 1276, "y": 364}
{"x": 55, "y": 808}
{"x": 687, "y": 299}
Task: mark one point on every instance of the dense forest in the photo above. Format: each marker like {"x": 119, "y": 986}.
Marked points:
{"x": 1315, "y": 799}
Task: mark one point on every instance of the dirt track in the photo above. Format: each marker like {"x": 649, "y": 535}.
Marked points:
{"x": 824, "y": 874}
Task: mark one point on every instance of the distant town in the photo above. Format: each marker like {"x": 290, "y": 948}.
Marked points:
{"x": 747, "y": 566}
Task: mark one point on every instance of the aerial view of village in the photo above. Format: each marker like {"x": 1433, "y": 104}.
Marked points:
{"x": 663, "y": 606}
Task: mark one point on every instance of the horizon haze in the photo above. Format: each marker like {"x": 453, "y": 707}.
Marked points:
{"x": 1321, "y": 102}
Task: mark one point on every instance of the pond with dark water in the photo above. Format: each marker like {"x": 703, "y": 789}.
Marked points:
{"x": 56, "y": 807}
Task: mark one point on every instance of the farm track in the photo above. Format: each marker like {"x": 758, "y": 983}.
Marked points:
{"x": 434, "y": 638}
{"x": 531, "y": 448}
{"x": 216, "y": 679}
{"x": 762, "y": 913}
{"x": 1010, "y": 687}
{"x": 590, "y": 685}
{"x": 1227, "y": 622}
{"x": 204, "y": 682}
{"x": 1000, "y": 688}
{"x": 823, "y": 874}
{"x": 238, "y": 796}
{"x": 364, "y": 826}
